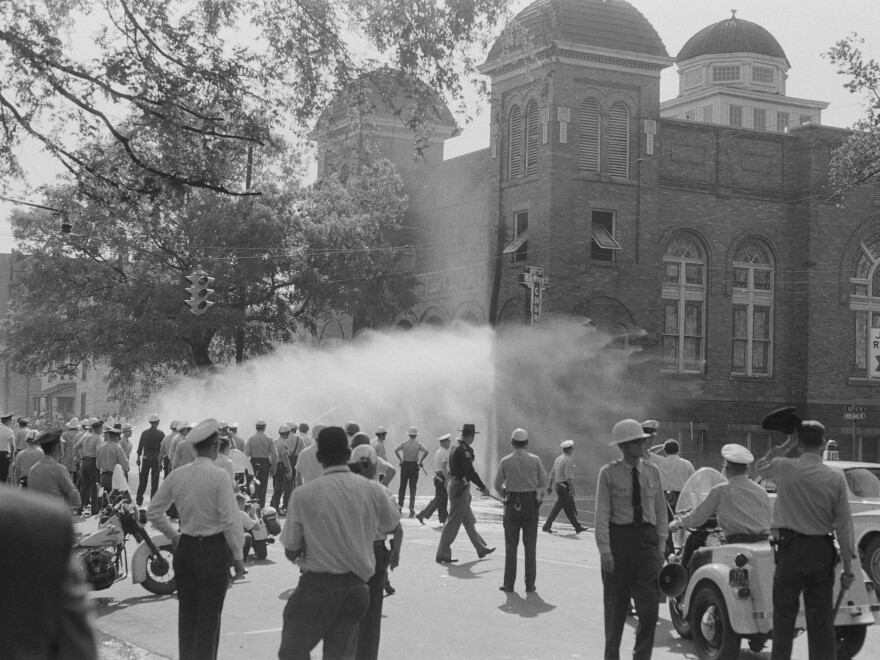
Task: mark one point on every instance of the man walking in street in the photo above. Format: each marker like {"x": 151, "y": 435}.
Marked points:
{"x": 811, "y": 503}
{"x": 261, "y": 451}
{"x": 165, "y": 454}
{"x": 210, "y": 531}
{"x": 87, "y": 450}
{"x": 148, "y": 458}
{"x": 562, "y": 475}
{"x": 330, "y": 529}
{"x": 631, "y": 530}
{"x": 441, "y": 476}
{"x": 7, "y": 445}
{"x": 520, "y": 481}
{"x": 461, "y": 475}
{"x": 283, "y": 476}
{"x": 410, "y": 453}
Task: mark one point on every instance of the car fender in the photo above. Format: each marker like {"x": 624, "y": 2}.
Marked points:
{"x": 138, "y": 565}
{"x": 741, "y": 611}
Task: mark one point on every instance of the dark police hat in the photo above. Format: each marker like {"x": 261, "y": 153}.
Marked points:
{"x": 468, "y": 429}
{"x": 783, "y": 420}
{"x": 48, "y": 437}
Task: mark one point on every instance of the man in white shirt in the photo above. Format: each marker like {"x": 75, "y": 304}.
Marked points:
{"x": 7, "y": 444}
{"x": 441, "y": 475}
{"x": 210, "y": 529}
{"x": 329, "y": 531}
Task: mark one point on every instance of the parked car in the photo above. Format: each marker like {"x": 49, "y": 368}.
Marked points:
{"x": 863, "y": 483}
{"x": 724, "y": 592}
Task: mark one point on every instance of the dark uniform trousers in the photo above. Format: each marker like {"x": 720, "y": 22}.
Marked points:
{"x": 370, "y": 626}
{"x": 564, "y": 502}
{"x": 261, "y": 472}
{"x": 88, "y": 482}
{"x": 280, "y": 483}
{"x": 438, "y": 504}
{"x": 149, "y": 470}
{"x": 804, "y": 563}
{"x": 636, "y": 567}
{"x": 202, "y": 575}
{"x": 409, "y": 475}
{"x": 520, "y": 515}
{"x": 4, "y": 465}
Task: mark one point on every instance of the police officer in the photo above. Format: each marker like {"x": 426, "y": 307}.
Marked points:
{"x": 282, "y": 475}
{"x": 261, "y": 451}
{"x": 631, "y": 530}
{"x": 441, "y": 476}
{"x": 108, "y": 456}
{"x": 148, "y": 449}
{"x": 49, "y": 476}
{"x": 7, "y": 444}
{"x": 811, "y": 503}
{"x": 520, "y": 481}
{"x": 68, "y": 442}
{"x": 26, "y": 459}
{"x": 562, "y": 474}
{"x": 410, "y": 453}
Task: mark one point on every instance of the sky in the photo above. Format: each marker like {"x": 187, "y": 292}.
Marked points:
{"x": 804, "y": 28}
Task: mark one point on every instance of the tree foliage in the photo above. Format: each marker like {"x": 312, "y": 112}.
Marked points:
{"x": 197, "y": 76}
{"x": 113, "y": 290}
{"x": 857, "y": 159}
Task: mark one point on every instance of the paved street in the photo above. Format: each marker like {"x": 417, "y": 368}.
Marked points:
{"x": 563, "y": 619}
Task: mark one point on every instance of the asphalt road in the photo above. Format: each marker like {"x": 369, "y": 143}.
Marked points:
{"x": 439, "y": 611}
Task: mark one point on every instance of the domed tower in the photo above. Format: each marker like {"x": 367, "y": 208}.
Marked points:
{"x": 575, "y": 96}
{"x": 733, "y": 73}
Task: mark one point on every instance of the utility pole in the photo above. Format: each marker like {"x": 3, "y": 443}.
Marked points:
{"x": 239, "y": 330}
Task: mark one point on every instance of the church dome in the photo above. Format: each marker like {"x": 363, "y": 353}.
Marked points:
{"x": 611, "y": 24}
{"x": 732, "y": 35}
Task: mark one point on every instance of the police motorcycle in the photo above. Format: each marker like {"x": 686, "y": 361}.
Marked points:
{"x": 720, "y": 593}
{"x": 266, "y": 518}
{"x": 103, "y": 553}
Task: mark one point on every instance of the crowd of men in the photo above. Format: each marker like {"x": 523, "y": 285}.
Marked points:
{"x": 332, "y": 487}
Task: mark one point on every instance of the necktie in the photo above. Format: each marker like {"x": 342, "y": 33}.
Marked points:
{"x": 637, "y": 498}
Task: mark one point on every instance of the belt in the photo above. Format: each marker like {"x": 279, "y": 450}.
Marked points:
{"x": 213, "y": 538}
{"x": 784, "y": 531}
{"x": 521, "y": 492}
{"x": 103, "y": 472}
{"x": 413, "y": 462}
{"x": 332, "y": 579}
{"x": 632, "y": 525}
{"x": 746, "y": 538}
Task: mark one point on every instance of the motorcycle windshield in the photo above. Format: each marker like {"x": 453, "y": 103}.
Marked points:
{"x": 697, "y": 488}
{"x": 240, "y": 461}
{"x": 120, "y": 483}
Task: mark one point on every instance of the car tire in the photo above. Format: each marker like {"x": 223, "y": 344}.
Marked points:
{"x": 849, "y": 640}
{"x": 714, "y": 639}
{"x": 871, "y": 560}
{"x": 682, "y": 626}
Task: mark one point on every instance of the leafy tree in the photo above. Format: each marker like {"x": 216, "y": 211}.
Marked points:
{"x": 113, "y": 289}
{"x": 197, "y": 75}
{"x": 857, "y": 159}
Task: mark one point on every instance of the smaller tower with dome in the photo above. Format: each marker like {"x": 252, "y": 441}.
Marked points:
{"x": 733, "y": 73}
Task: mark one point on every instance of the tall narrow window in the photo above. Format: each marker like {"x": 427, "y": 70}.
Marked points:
{"x": 533, "y": 136}
{"x": 864, "y": 303}
{"x": 707, "y": 114}
{"x": 782, "y": 119}
{"x": 736, "y": 115}
{"x": 618, "y": 140}
{"x": 752, "y": 349}
{"x": 588, "y": 139}
{"x": 603, "y": 243}
{"x": 684, "y": 305}
{"x": 521, "y": 236}
{"x": 759, "y": 119}
{"x": 514, "y": 167}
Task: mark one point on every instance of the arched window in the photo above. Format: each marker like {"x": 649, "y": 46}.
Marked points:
{"x": 618, "y": 140}
{"x": 588, "y": 138}
{"x": 684, "y": 305}
{"x": 864, "y": 304}
{"x": 514, "y": 164}
{"x": 532, "y": 138}
{"x": 752, "y": 353}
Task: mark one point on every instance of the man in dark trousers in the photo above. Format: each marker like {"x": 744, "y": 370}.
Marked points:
{"x": 44, "y": 605}
{"x": 261, "y": 451}
{"x": 410, "y": 453}
{"x": 562, "y": 475}
{"x": 631, "y": 530}
{"x": 811, "y": 503}
{"x": 148, "y": 458}
{"x": 521, "y": 479}
{"x": 461, "y": 475}
{"x": 441, "y": 476}
{"x": 210, "y": 531}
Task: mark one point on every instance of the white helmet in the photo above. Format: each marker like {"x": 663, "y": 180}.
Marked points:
{"x": 519, "y": 435}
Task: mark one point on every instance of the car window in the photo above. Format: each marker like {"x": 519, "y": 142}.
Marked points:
{"x": 863, "y": 483}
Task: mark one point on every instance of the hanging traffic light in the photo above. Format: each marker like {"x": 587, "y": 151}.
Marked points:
{"x": 199, "y": 290}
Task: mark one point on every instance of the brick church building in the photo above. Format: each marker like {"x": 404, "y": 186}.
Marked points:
{"x": 698, "y": 229}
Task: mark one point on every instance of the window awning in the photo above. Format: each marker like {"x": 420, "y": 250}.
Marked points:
{"x": 517, "y": 243}
{"x": 64, "y": 390}
{"x": 604, "y": 239}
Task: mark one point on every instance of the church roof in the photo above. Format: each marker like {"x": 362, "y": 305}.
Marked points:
{"x": 732, "y": 35}
{"x": 612, "y": 24}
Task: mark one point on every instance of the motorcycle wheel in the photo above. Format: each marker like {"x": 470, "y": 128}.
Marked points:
{"x": 261, "y": 550}
{"x": 714, "y": 639}
{"x": 682, "y": 626}
{"x": 157, "y": 581}
{"x": 871, "y": 561}
{"x": 849, "y": 640}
